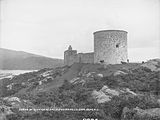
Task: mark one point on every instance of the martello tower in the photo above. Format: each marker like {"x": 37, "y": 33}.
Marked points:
{"x": 110, "y": 46}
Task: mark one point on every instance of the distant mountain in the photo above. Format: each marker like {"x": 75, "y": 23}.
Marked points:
{"x": 19, "y": 60}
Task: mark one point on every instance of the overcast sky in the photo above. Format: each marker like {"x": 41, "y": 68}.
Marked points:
{"x": 47, "y": 27}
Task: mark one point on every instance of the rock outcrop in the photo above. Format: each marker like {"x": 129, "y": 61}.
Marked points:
{"x": 105, "y": 93}
{"x": 119, "y": 72}
{"x": 138, "y": 113}
{"x": 153, "y": 65}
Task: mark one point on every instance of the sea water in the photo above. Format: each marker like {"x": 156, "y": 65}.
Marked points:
{"x": 11, "y": 73}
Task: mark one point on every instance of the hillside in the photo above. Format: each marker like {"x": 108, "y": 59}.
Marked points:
{"x": 19, "y": 60}
{"x": 128, "y": 91}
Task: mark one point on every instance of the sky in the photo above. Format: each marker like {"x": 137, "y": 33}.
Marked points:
{"x": 48, "y": 27}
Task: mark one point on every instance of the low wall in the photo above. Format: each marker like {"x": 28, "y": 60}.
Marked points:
{"x": 85, "y": 57}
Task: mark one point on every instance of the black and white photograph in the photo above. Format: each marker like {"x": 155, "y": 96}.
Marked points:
{"x": 79, "y": 59}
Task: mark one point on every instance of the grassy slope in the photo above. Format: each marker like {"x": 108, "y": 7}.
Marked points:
{"x": 73, "y": 71}
{"x": 80, "y": 95}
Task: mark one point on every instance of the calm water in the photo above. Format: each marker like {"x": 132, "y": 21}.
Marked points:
{"x": 10, "y": 73}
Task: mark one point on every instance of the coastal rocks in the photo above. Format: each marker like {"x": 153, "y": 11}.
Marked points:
{"x": 5, "y": 75}
{"x": 47, "y": 73}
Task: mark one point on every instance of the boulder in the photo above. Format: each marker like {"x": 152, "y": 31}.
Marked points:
{"x": 9, "y": 87}
{"x": 100, "y": 96}
{"x": 90, "y": 74}
{"x": 153, "y": 65}
{"x": 40, "y": 82}
{"x": 4, "y": 111}
{"x": 74, "y": 80}
{"x": 154, "y": 112}
{"x": 119, "y": 73}
{"x": 131, "y": 92}
{"x": 100, "y": 75}
{"x": 78, "y": 80}
{"x": 140, "y": 114}
{"x": 109, "y": 91}
{"x": 158, "y": 101}
{"x": 12, "y": 99}
{"x": 127, "y": 114}
{"x": 47, "y": 73}
{"x": 105, "y": 94}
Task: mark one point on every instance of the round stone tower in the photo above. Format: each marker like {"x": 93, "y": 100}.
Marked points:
{"x": 110, "y": 46}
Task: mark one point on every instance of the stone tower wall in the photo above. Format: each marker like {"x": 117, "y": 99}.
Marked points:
{"x": 70, "y": 57}
{"x": 110, "y": 46}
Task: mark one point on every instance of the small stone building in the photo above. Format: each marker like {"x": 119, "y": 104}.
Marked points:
{"x": 71, "y": 56}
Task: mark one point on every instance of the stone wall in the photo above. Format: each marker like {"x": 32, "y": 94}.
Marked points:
{"x": 71, "y": 57}
{"x": 110, "y": 46}
{"x": 85, "y": 57}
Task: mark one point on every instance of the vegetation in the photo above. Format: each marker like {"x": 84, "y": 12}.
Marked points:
{"x": 142, "y": 81}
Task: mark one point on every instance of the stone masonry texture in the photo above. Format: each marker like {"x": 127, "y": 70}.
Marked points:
{"x": 110, "y": 46}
